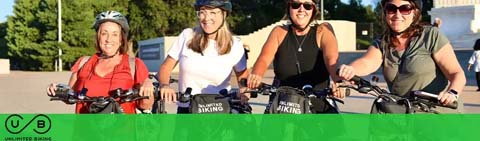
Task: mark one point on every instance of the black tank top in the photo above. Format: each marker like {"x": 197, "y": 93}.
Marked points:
{"x": 312, "y": 66}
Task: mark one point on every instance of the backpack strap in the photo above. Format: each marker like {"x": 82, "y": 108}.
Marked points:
{"x": 83, "y": 61}
{"x": 131, "y": 62}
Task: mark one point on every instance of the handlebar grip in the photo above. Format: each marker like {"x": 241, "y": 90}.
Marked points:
{"x": 356, "y": 79}
{"x": 61, "y": 95}
{"x": 452, "y": 105}
{"x": 253, "y": 95}
{"x": 243, "y": 82}
{"x": 223, "y": 92}
{"x": 141, "y": 97}
{"x": 55, "y": 98}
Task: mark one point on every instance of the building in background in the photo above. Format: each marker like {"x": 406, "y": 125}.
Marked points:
{"x": 460, "y": 21}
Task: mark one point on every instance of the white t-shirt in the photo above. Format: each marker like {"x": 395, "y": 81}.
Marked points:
{"x": 210, "y": 73}
{"x": 475, "y": 60}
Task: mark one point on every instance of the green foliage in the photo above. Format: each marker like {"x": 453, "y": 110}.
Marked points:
{"x": 3, "y": 42}
{"x": 155, "y": 11}
{"x": 22, "y": 34}
{"x": 251, "y": 15}
{"x": 362, "y": 44}
{"x": 29, "y": 37}
{"x": 180, "y": 15}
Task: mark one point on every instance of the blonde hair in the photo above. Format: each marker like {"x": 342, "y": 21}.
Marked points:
{"x": 224, "y": 39}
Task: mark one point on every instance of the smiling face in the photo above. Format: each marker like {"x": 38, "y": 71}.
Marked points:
{"x": 301, "y": 11}
{"x": 210, "y": 19}
{"x": 399, "y": 14}
{"x": 110, "y": 38}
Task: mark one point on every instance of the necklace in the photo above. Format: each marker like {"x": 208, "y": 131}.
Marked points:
{"x": 300, "y": 43}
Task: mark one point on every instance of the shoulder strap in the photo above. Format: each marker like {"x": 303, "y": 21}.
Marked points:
{"x": 83, "y": 61}
{"x": 131, "y": 62}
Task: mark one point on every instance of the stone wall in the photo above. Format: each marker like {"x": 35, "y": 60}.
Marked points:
{"x": 453, "y": 3}
{"x": 4, "y": 66}
{"x": 461, "y": 24}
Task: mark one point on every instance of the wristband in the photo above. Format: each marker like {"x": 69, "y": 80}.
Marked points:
{"x": 147, "y": 111}
{"x": 453, "y": 92}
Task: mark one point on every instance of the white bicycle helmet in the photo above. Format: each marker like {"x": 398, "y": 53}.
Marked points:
{"x": 112, "y": 16}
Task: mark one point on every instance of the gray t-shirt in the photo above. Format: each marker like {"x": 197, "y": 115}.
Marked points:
{"x": 418, "y": 70}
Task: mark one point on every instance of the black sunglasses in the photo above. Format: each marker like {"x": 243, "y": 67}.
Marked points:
{"x": 404, "y": 9}
{"x": 307, "y": 5}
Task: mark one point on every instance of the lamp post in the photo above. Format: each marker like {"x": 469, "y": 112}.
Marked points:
{"x": 59, "y": 4}
{"x": 321, "y": 10}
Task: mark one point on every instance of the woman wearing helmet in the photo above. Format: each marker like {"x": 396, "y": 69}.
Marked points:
{"x": 109, "y": 68}
{"x": 302, "y": 53}
{"x": 206, "y": 54}
{"x": 413, "y": 56}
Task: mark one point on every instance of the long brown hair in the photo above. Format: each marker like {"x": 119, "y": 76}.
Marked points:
{"x": 413, "y": 30}
{"x": 224, "y": 38}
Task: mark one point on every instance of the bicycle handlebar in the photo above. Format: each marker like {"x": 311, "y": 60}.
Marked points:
{"x": 364, "y": 86}
{"x": 434, "y": 99}
{"x": 66, "y": 94}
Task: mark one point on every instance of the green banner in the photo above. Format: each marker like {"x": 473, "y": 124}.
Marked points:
{"x": 348, "y": 127}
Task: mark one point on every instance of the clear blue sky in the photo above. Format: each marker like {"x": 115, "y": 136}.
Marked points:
{"x": 6, "y": 8}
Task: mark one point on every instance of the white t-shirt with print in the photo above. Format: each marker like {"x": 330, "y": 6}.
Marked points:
{"x": 475, "y": 60}
{"x": 209, "y": 73}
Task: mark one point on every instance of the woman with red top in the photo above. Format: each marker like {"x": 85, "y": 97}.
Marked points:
{"x": 109, "y": 68}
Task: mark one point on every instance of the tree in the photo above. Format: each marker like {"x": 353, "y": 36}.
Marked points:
{"x": 22, "y": 31}
{"x": 3, "y": 42}
{"x": 32, "y": 33}
{"x": 181, "y": 14}
{"x": 78, "y": 34}
{"x": 251, "y": 15}
{"x": 148, "y": 19}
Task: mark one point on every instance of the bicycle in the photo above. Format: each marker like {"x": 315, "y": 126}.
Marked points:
{"x": 285, "y": 99}
{"x": 386, "y": 102}
{"x": 100, "y": 104}
{"x": 158, "y": 106}
{"x": 225, "y": 101}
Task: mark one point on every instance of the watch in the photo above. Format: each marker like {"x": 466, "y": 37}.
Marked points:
{"x": 146, "y": 111}
{"x": 453, "y": 92}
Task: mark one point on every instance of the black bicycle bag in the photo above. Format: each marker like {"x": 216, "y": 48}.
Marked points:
{"x": 209, "y": 103}
{"x": 288, "y": 100}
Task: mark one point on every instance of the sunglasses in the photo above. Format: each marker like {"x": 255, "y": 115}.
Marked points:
{"x": 404, "y": 9}
{"x": 307, "y": 5}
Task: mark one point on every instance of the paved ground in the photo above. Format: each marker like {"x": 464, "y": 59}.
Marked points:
{"x": 24, "y": 92}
